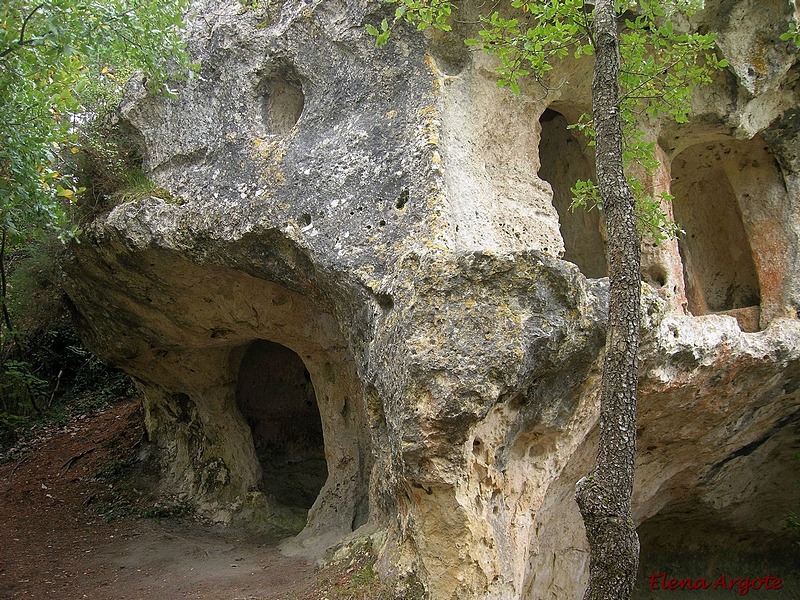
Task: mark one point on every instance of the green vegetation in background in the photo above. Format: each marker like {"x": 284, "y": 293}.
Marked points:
{"x": 63, "y": 65}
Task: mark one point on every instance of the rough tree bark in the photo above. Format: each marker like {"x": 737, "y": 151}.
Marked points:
{"x": 604, "y": 496}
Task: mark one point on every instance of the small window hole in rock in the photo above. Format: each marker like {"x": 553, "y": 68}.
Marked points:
{"x": 563, "y": 162}
{"x": 277, "y": 399}
{"x": 282, "y": 100}
{"x": 451, "y": 55}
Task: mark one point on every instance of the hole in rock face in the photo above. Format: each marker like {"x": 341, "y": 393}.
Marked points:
{"x": 276, "y": 396}
{"x": 655, "y": 276}
{"x": 563, "y": 163}
{"x": 402, "y": 200}
{"x": 282, "y": 101}
{"x": 451, "y": 55}
{"x": 717, "y": 259}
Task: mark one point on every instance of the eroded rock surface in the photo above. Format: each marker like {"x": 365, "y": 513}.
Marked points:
{"x": 360, "y": 278}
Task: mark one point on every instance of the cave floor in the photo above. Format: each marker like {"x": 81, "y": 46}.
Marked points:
{"x": 70, "y": 533}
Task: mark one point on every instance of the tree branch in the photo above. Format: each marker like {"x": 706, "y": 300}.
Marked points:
{"x": 22, "y": 41}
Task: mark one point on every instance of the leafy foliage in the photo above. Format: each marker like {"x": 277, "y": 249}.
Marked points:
{"x": 660, "y": 67}
{"x": 70, "y": 381}
{"x": 792, "y": 34}
{"x": 63, "y": 65}
{"x": 52, "y": 56}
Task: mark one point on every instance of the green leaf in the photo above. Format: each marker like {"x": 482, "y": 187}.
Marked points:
{"x": 53, "y": 77}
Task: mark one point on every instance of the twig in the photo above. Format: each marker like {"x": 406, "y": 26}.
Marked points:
{"x": 22, "y": 41}
{"x": 20, "y": 462}
{"x": 68, "y": 465}
{"x": 55, "y": 389}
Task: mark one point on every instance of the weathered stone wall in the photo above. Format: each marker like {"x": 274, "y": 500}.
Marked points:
{"x": 377, "y": 212}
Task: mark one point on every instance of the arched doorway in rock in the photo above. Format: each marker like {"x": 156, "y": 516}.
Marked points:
{"x": 563, "y": 162}
{"x": 718, "y": 266}
{"x": 277, "y": 398}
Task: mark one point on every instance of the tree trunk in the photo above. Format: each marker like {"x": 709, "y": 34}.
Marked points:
{"x": 604, "y": 496}
{"x": 6, "y": 318}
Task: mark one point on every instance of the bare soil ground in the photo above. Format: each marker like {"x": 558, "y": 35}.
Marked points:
{"x": 67, "y": 533}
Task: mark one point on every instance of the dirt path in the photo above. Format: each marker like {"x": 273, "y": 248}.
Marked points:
{"x": 56, "y": 544}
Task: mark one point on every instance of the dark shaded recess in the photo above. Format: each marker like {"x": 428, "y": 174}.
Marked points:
{"x": 182, "y": 409}
{"x": 282, "y": 99}
{"x": 718, "y": 266}
{"x": 402, "y": 200}
{"x": 277, "y": 398}
{"x": 782, "y": 138}
{"x": 655, "y": 276}
{"x": 696, "y": 537}
{"x": 694, "y": 542}
{"x": 563, "y": 163}
{"x": 452, "y": 56}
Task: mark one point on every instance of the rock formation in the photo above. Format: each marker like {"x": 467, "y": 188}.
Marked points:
{"x": 366, "y": 283}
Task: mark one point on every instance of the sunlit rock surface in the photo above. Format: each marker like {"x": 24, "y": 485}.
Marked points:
{"x": 363, "y": 308}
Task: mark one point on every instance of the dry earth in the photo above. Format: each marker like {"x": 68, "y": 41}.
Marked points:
{"x": 70, "y": 534}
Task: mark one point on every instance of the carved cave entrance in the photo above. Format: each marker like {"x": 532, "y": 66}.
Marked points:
{"x": 563, "y": 162}
{"x": 276, "y": 397}
{"x": 717, "y": 258}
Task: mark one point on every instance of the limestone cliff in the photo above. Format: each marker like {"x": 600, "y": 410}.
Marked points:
{"x": 368, "y": 301}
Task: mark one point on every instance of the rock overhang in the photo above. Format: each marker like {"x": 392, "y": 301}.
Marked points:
{"x": 378, "y": 226}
